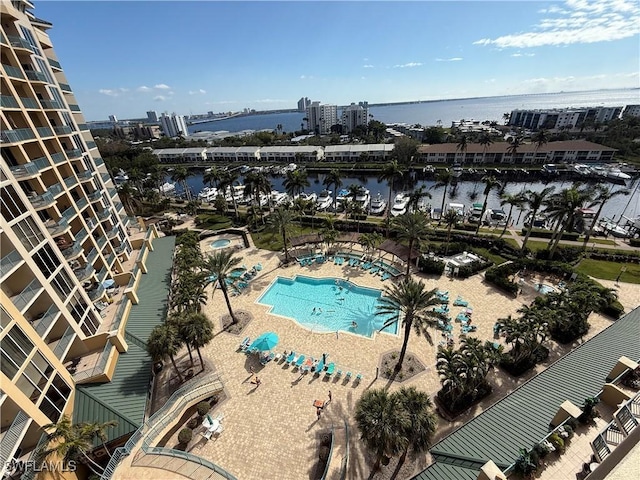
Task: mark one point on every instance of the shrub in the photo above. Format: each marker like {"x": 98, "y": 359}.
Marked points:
{"x": 634, "y": 242}
{"x": 541, "y": 449}
{"x": 323, "y": 454}
{"x": 571, "y": 422}
{"x": 193, "y": 423}
{"x": 538, "y": 233}
{"x": 562, "y": 254}
{"x": 557, "y": 441}
{"x": 613, "y": 310}
{"x": 569, "y": 430}
{"x": 203, "y": 408}
{"x": 185, "y": 435}
{"x": 431, "y": 266}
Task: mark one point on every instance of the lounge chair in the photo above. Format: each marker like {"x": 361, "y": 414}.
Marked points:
{"x": 338, "y": 373}
{"x": 207, "y": 434}
{"x": 330, "y": 369}
{"x": 462, "y": 318}
{"x": 300, "y": 361}
{"x": 385, "y": 276}
{"x": 319, "y": 367}
{"x": 459, "y": 302}
{"x": 268, "y": 358}
{"x": 358, "y": 378}
{"x": 245, "y": 343}
{"x": 258, "y": 267}
{"x": 220, "y": 417}
{"x": 219, "y": 430}
{"x": 290, "y": 358}
{"x": 309, "y": 362}
{"x": 347, "y": 375}
{"x": 374, "y": 270}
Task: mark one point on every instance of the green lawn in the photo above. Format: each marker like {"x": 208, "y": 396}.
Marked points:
{"x": 483, "y": 252}
{"x": 600, "y": 241}
{"x": 610, "y": 270}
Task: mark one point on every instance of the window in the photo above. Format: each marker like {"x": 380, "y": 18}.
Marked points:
{"x": 46, "y": 260}
{"x": 12, "y": 206}
{"x": 29, "y": 233}
{"x": 55, "y": 399}
{"x": 62, "y": 285}
{"x": 15, "y": 347}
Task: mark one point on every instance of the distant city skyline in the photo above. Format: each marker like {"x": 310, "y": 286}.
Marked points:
{"x": 126, "y": 58}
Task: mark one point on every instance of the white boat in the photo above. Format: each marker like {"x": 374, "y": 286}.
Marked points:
{"x": 584, "y": 219}
{"x": 436, "y": 213}
{"x": 121, "y": 177}
{"x": 475, "y": 214}
{"x": 609, "y": 227}
{"x": 582, "y": 169}
{"x": 458, "y": 207}
{"x": 235, "y": 193}
{"x": 208, "y": 194}
{"x": 324, "y": 200}
{"x": 363, "y": 198}
{"x": 424, "y": 205}
{"x": 278, "y": 198}
{"x": 615, "y": 174}
{"x": 167, "y": 187}
{"x": 341, "y": 198}
{"x": 309, "y": 197}
{"x": 399, "y": 206}
{"x": 539, "y": 222}
{"x": 494, "y": 216}
{"x": 550, "y": 168}
{"x": 378, "y": 205}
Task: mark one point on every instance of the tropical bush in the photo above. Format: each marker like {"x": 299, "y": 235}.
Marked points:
{"x": 431, "y": 266}
{"x": 525, "y": 465}
{"x": 203, "y": 408}
{"x": 562, "y": 254}
{"x": 185, "y": 435}
{"x": 557, "y": 441}
{"x": 526, "y": 335}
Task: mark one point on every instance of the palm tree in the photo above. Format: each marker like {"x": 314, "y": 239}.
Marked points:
{"x": 163, "y": 342}
{"x": 281, "y": 221}
{"x": 490, "y": 183}
{"x": 411, "y": 227}
{"x": 451, "y": 219}
{"x": 602, "y": 196}
{"x": 540, "y": 138}
{"x": 462, "y": 146}
{"x": 256, "y": 184}
{"x": 178, "y": 321}
{"x": 198, "y": 332}
{"x": 98, "y": 430}
{"x": 535, "y": 201}
{"x": 226, "y": 183}
{"x": 212, "y": 177}
{"x": 422, "y": 421}
{"x": 295, "y": 182}
{"x": 353, "y": 210}
{"x": 569, "y": 201}
{"x": 382, "y": 424}
{"x": 444, "y": 179}
{"x": 180, "y": 175}
{"x": 415, "y": 197}
{"x": 370, "y": 241}
{"x": 513, "y": 200}
{"x": 514, "y": 144}
{"x": 393, "y": 175}
{"x": 219, "y": 266}
{"x": 333, "y": 178}
{"x": 410, "y": 303}
{"x": 486, "y": 142}
{"x": 126, "y": 193}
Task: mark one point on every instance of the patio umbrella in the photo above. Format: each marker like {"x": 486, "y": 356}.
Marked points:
{"x": 266, "y": 341}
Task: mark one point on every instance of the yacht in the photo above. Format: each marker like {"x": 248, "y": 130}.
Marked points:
{"x": 539, "y": 222}
{"x": 611, "y": 228}
{"x": 616, "y": 175}
{"x": 235, "y": 194}
{"x": 167, "y": 188}
{"x": 121, "y": 177}
{"x": 342, "y": 196}
{"x": 423, "y": 205}
{"x": 378, "y": 205}
{"x": 208, "y": 194}
{"x": 550, "y": 169}
{"x": 309, "y": 197}
{"x": 583, "y": 170}
{"x": 475, "y": 214}
{"x": 324, "y": 200}
{"x": 584, "y": 219}
{"x": 458, "y": 207}
{"x": 363, "y": 198}
{"x": 494, "y": 216}
{"x": 278, "y": 198}
{"x": 400, "y": 204}
{"x": 436, "y": 213}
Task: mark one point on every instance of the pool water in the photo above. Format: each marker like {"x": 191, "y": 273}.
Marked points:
{"x": 221, "y": 243}
{"x": 542, "y": 288}
{"x": 326, "y": 304}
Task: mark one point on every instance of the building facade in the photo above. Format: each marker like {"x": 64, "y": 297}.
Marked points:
{"x": 173, "y": 125}
{"x": 322, "y": 117}
{"x": 65, "y": 243}
{"x": 566, "y": 118}
{"x": 303, "y": 103}
{"x": 631, "y": 111}
{"x": 152, "y": 116}
{"x": 354, "y": 116}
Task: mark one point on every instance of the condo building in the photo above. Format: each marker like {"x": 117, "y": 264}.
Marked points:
{"x": 303, "y": 103}
{"x": 354, "y": 116}
{"x": 173, "y": 125}
{"x": 71, "y": 261}
{"x": 321, "y": 117}
{"x": 565, "y": 118}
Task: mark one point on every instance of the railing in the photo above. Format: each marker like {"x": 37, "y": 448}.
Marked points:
{"x": 97, "y": 293}
{"x": 19, "y": 42}
{"x": 105, "y": 177}
{"x": 103, "y": 215}
{"x": 24, "y": 170}
{"x": 12, "y": 436}
{"x": 72, "y": 251}
{"x": 65, "y": 87}
{"x": 84, "y": 273}
{"x": 112, "y": 233}
{"x": 46, "y": 320}
{"x": 102, "y": 274}
{"x": 141, "y": 253}
{"x": 58, "y": 158}
{"x": 92, "y": 144}
{"x": 91, "y": 257}
{"x": 81, "y": 235}
{"x": 17, "y": 135}
{"x": 41, "y": 163}
{"x": 35, "y": 458}
{"x": 57, "y": 227}
{"x": 50, "y": 105}
{"x": 13, "y": 72}
{"x": 71, "y": 181}
{"x": 7, "y": 101}
{"x": 41, "y": 200}
{"x": 74, "y": 153}
{"x": 110, "y": 259}
{"x": 112, "y": 192}
{"x": 69, "y": 213}
{"x": 30, "y": 103}
{"x": 124, "y": 301}
{"x": 54, "y": 63}
{"x": 74, "y": 108}
{"x": 100, "y": 365}
{"x": 64, "y": 342}
{"x": 45, "y": 131}
{"x": 80, "y": 204}
{"x": 54, "y": 190}
{"x": 86, "y": 175}
{"x": 95, "y": 196}
{"x": 27, "y": 294}
{"x": 63, "y": 129}
{"x": 185, "y": 395}
{"x": 83, "y": 126}
{"x": 102, "y": 241}
{"x": 9, "y": 261}
{"x": 134, "y": 276}
{"x": 36, "y": 76}
{"x": 98, "y": 160}
{"x": 345, "y": 460}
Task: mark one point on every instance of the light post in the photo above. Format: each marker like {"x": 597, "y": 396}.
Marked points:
{"x": 622, "y": 270}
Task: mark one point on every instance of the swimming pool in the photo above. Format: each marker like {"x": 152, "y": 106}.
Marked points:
{"x": 221, "y": 243}
{"x": 326, "y": 304}
{"x": 544, "y": 289}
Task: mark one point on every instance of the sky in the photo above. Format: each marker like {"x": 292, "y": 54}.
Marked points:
{"x": 190, "y": 57}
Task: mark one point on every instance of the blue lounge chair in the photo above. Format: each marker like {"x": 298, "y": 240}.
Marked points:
{"x": 358, "y": 378}
{"x": 385, "y": 276}
{"x": 319, "y": 367}
{"x": 320, "y": 259}
{"x": 267, "y": 359}
{"x": 300, "y": 361}
{"x": 347, "y": 375}
{"x": 338, "y": 373}
{"x": 245, "y": 343}
{"x": 374, "y": 270}
{"x": 290, "y": 358}
{"x": 330, "y": 369}
{"x": 258, "y": 267}
{"x": 462, "y": 318}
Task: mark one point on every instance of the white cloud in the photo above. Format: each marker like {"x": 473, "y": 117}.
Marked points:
{"x": 159, "y": 98}
{"x": 453, "y": 59}
{"x": 162, "y": 86}
{"x": 199, "y": 91}
{"x": 523, "y": 54}
{"x": 555, "y": 84}
{"x": 143, "y": 88}
{"x": 306, "y": 77}
{"x": 109, "y": 92}
{"x": 408, "y": 65}
{"x": 270, "y": 100}
{"x": 581, "y": 21}
{"x": 367, "y": 66}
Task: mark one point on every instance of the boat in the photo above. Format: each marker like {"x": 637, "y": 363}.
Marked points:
{"x": 423, "y": 205}
{"x": 121, "y": 177}
{"x": 309, "y": 197}
{"x": 324, "y": 200}
{"x": 475, "y": 213}
{"x": 235, "y": 195}
{"x": 539, "y": 222}
{"x": 494, "y": 216}
{"x": 616, "y": 175}
{"x": 584, "y": 219}
{"x": 458, "y": 207}
{"x": 342, "y": 196}
{"x": 378, "y": 205}
{"x": 363, "y": 197}
{"x": 400, "y": 204}
{"x": 167, "y": 188}
{"x": 208, "y": 194}
{"x": 583, "y": 170}
{"x": 611, "y": 228}
{"x": 550, "y": 169}
{"x": 278, "y": 198}
{"x": 436, "y": 213}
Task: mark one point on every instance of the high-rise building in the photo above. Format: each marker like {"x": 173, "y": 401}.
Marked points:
{"x": 69, "y": 271}
{"x": 303, "y": 103}
{"x": 321, "y": 117}
{"x": 113, "y": 119}
{"x": 354, "y": 116}
{"x": 173, "y": 125}
{"x": 152, "y": 116}
{"x": 563, "y": 118}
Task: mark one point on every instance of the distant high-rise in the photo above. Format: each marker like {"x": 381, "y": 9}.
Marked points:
{"x": 303, "y": 103}
{"x": 631, "y": 111}
{"x": 113, "y": 119}
{"x": 173, "y": 125}
{"x": 354, "y": 116}
{"x": 152, "y": 116}
{"x": 321, "y": 117}
{"x": 569, "y": 118}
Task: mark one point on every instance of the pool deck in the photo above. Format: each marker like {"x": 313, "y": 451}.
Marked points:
{"x": 271, "y": 429}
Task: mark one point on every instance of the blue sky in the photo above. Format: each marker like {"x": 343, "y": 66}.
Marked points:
{"x": 125, "y": 57}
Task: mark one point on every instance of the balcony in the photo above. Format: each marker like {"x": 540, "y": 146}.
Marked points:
{"x": 96, "y": 293}
{"x": 91, "y": 257}
{"x": 25, "y": 297}
{"x": 75, "y": 153}
{"x": 106, "y": 177}
{"x": 65, "y": 88}
{"x": 30, "y": 103}
{"x": 103, "y": 215}
{"x": 102, "y": 275}
{"x": 17, "y": 42}
{"x": 72, "y": 252}
{"x": 13, "y": 72}
{"x": 62, "y": 344}
{"x": 50, "y": 105}
{"x": 43, "y": 322}
{"x": 69, "y": 214}
{"x": 63, "y": 130}
{"x": 80, "y": 204}
{"x": 91, "y": 144}
{"x": 18, "y": 135}
{"x": 91, "y": 224}
{"x": 85, "y": 176}
{"x": 74, "y": 108}
{"x": 44, "y": 132}
{"x": 36, "y": 76}
{"x": 56, "y": 228}
{"x": 113, "y": 192}
{"x": 9, "y": 262}
{"x": 43, "y": 200}
{"x": 7, "y": 101}
{"x": 12, "y": 437}
{"x": 102, "y": 241}
{"x": 25, "y": 170}
{"x": 59, "y": 158}
{"x": 84, "y": 273}
{"x": 110, "y": 259}
{"x": 95, "y": 196}
{"x": 111, "y": 234}
{"x": 71, "y": 182}
{"x": 83, "y": 127}
{"x": 98, "y": 161}
{"x": 54, "y": 63}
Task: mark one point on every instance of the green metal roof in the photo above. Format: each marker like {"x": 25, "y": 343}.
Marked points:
{"x": 124, "y": 398}
{"x": 445, "y": 471}
{"x": 522, "y": 418}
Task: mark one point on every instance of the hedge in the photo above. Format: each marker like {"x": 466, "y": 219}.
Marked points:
{"x": 539, "y": 233}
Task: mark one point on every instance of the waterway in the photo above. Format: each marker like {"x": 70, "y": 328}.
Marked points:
{"x": 439, "y": 111}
